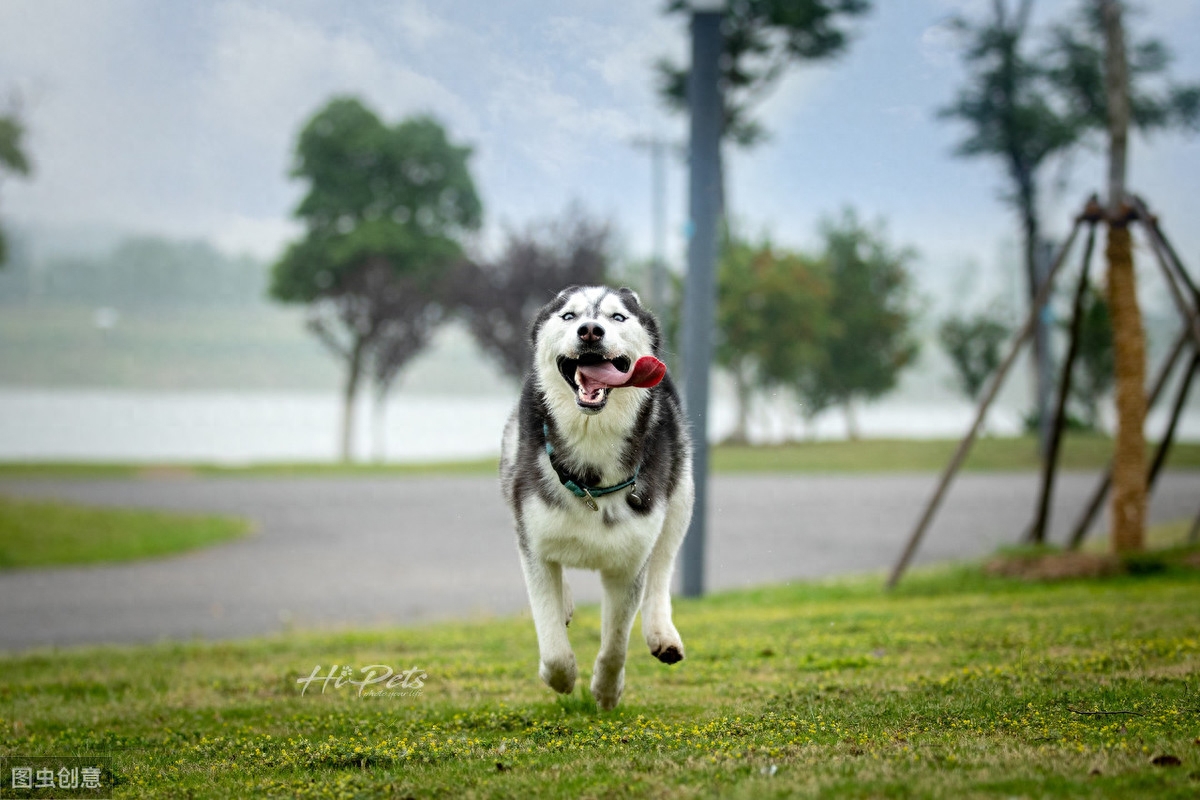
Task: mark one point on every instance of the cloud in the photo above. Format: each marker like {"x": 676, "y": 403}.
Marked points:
{"x": 419, "y": 25}
{"x": 270, "y": 68}
{"x": 940, "y": 46}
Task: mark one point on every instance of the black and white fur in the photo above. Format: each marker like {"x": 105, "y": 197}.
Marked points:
{"x": 631, "y": 544}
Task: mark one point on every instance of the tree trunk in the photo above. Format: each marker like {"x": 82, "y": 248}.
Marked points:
{"x": 1129, "y": 456}
{"x": 851, "y": 419}
{"x": 350, "y": 395}
{"x": 1036, "y": 264}
{"x": 741, "y": 390}
{"x": 379, "y": 426}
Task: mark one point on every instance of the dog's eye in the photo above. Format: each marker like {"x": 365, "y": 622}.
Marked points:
{"x": 567, "y": 317}
{"x": 618, "y": 317}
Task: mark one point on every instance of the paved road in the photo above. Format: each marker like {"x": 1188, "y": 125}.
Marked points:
{"x": 338, "y": 552}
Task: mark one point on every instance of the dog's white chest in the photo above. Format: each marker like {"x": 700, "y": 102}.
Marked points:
{"x": 579, "y": 537}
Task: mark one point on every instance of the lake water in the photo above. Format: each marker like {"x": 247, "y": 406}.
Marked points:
{"x": 242, "y": 427}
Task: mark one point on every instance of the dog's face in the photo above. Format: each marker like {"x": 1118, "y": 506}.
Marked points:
{"x": 589, "y": 326}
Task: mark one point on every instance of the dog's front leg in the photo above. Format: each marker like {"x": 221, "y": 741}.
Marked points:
{"x": 622, "y": 596}
{"x": 659, "y": 631}
{"x": 544, "y": 581}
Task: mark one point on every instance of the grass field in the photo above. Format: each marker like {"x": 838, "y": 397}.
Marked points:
{"x": 915, "y": 455}
{"x": 47, "y": 533}
{"x": 867, "y": 455}
{"x": 959, "y": 685}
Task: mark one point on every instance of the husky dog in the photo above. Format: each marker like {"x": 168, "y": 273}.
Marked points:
{"x": 596, "y": 466}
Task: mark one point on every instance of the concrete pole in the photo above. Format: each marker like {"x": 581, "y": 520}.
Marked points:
{"x": 658, "y": 277}
{"x": 658, "y": 148}
{"x": 700, "y": 295}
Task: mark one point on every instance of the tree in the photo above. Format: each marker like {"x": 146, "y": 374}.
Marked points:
{"x": 1076, "y": 59}
{"x": 1129, "y": 340}
{"x": 870, "y": 304}
{"x": 499, "y": 297}
{"x": 385, "y": 212}
{"x": 12, "y": 159}
{"x": 762, "y": 38}
{"x": 1094, "y": 358}
{"x": 772, "y": 319}
{"x": 1009, "y": 109}
{"x": 413, "y": 315}
{"x": 1024, "y": 111}
{"x": 1110, "y": 86}
{"x": 973, "y": 344}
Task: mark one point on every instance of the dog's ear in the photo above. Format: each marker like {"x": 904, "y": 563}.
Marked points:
{"x": 626, "y": 294}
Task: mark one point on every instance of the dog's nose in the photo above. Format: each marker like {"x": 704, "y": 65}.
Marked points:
{"x": 591, "y": 332}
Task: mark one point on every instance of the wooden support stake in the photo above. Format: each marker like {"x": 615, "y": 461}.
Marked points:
{"x": 1176, "y": 412}
{"x": 1037, "y": 531}
{"x": 1001, "y": 373}
{"x": 1170, "y": 266}
{"x": 1152, "y": 223}
{"x": 1093, "y": 506}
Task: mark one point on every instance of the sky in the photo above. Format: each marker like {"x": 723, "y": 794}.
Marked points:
{"x": 180, "y": 119}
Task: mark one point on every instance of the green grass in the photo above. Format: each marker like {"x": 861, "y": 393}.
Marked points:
{"x": 43, "y": 534}
{"x": 1079, "y": 451}
{"x": 958, "y": 685}
{"x": 867, "y": 455}
{"x": 83, "y": 469}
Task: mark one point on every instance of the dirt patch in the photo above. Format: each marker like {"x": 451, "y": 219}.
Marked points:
{"x": 1055, "y": 566}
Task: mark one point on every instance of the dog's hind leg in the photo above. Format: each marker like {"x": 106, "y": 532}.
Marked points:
{"x": 659, "y": 631}
{"x": 544, "y": 580}
{"x": 622, "y": 595}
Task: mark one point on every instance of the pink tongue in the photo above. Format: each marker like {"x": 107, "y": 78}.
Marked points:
{"x": 647, "y": 372}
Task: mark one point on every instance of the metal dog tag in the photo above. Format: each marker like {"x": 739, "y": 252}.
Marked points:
{"x": 590, "y": 501}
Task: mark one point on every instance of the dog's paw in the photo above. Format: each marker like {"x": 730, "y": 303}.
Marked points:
{"x": 607, "y": 688}
{"x": 669, "y": 654}
{"x": 667, "y": 648}
{"x": 559, "y": 674}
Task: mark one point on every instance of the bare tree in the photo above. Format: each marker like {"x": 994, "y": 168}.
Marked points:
{"x": 377, "y": 322}
{"x": 498, "y": 298}
{"x": 413, "y": 315}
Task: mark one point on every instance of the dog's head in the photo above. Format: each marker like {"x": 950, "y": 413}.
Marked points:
{"x": 587, "y": 341}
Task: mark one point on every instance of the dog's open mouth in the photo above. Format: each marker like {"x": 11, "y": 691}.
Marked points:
{"x": 591, "y": 376}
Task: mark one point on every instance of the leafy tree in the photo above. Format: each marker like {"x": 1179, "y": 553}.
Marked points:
{"x": 1094, "y": 358}
{"x": 772, "y": 318}
{"x": 762, "y": 39}
{"x": 1082, "y": 58}
{"x": 499, "y": 297}
{"x": 871, "y": 306}
{"x": 386, "y": 209}
{"x": 973, "y": 344}
{"x": 1076, "y": 68}
{"x": 12, "y": 159}
{"x": 1009, "y": 109}
{"x": 1024, "y": 110}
